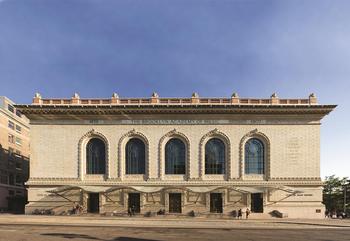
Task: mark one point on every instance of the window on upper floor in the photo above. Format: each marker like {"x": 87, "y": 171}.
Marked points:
{"x": 135, "y": 156}
{"x": 18, "y": 165}
{"x": 11, "y": 125}
{"x": 18, "y": 128}
{"x": 11, "y": 138}
{"x": 254, "y": 159}
{"x": 215, "y": 157}
{"x": 18, "y": 141}
{"x": 11, "y": 108}
{"x": 11, "y": 179}
{"x": 18, "y": 180}
{"x": 95, "y": 156}
{"x": 175, "y": 157}
{"x": 3, "y": 177}
{"x": 18, "y": 113}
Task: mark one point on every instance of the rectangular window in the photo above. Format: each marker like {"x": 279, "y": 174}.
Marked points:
{"x": 11, "y": 138}
{"x": 18, "y": 180}
{"x": 18, "y": 129}
{"x": 10, "y": 108}
{"x": 18, "y": 141}
{"x": 11, "y": 179}
{"x": 11, "y": 125}
{"x": 18, "y": 165}
{"x": 3, "y": 179}
{"x": 18, "y": 113}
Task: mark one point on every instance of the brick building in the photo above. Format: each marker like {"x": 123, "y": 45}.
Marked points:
{"x": 14, "y": 156}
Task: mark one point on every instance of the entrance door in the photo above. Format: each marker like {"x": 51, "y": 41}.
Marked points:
{"x": 257, "y": 203}
{"x": 216, "y": 202}
{"x": 94, "y": 203}
{"x": 174, "y": 202}
{"x": 134, "y": 202}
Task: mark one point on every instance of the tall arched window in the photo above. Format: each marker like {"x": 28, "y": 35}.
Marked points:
{"x": 135, "y": 156}
{"x": 254, "y": 157}
{"x": 175, "y": 157}
{"x": 215, "y": 156}
{"x": 95, "y": 157}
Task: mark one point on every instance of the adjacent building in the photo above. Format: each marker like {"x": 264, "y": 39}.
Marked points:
{"x": 14, "y": 156}
{"x": 206, "y": 156}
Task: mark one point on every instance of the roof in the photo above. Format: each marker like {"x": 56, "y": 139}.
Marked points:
{"x": 157, "y": 105}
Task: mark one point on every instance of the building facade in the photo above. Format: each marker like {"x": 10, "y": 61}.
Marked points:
{"x": 14, "y": 156}
{"x": 176, "y": 155}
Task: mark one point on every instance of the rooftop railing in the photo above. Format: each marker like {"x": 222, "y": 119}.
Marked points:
{"x": 156, "y": 100}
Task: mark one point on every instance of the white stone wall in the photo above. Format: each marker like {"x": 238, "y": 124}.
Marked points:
{"x": 294, "y": 149}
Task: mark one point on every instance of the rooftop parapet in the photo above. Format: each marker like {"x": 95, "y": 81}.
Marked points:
{"x": 156, "y": 100}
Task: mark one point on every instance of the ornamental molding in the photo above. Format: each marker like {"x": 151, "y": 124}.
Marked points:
{"x": 82, "y": 153}
{"x": 302, "y": 181}
{"x": 161, "y": 152}
{"x": 222, "y": 136}
{"x": 255, "y": 133}
{"x": 121, "y": 150}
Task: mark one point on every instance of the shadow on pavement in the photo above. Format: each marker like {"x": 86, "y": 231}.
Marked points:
{"x": 132, "y": 239}
{"x": 88, "y": 237}
{"x": 71, "y": 236}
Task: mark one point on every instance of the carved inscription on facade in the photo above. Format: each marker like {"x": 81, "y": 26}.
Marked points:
{"x": 293, "y": 150}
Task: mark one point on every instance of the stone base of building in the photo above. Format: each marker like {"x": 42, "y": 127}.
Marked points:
{"x": 176, "y": 201}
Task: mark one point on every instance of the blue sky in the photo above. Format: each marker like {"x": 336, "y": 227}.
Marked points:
{"x": 213, "y": 47}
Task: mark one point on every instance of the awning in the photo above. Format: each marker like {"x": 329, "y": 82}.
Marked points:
{"x": 262, "y": 189}
{"x": 85, "y": 188}
{"x": 143, "y": 189}
{"x": 62, "y": 189}
{"x": 249, "y": 189}
{"x": 203, "y": 189}
{"x": 197, "y": 189}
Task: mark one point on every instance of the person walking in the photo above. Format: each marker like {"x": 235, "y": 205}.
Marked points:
{"x": 234, "y": 214}
{"x": 240, "y": 213}
{"x": 247, "y": 212}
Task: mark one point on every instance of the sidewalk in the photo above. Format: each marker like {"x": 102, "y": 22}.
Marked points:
{"x": 165, "y": 222}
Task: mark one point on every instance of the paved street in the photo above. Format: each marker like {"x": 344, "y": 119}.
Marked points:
{"x": 47, "y": 228}
{"x": 56, "y": 233}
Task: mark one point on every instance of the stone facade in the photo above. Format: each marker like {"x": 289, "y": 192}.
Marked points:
{"x": 288, "y": 129}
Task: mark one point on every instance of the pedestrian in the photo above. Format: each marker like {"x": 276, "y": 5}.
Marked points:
{"x": 74, "y": 211}
{"x": 234, "y": 214}
{"x": 247, "y": 212}
{"x": 326, "y": 213}
{"x": 129, "y": 211}
{"x": 240, "y": 213}
{"x": 133, "y": 210}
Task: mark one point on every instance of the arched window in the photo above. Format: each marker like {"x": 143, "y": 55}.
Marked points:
{"x": 215, "y": 156}
{"x": 254, "y": 157}
{"x": 175, "y": 157}
{"x": 95, "y": 157}
{"x": 135, "y": 156}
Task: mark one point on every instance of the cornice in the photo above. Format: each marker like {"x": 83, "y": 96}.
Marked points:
{"x": 32, "y": 110}
{"x": 310, "y": 181}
